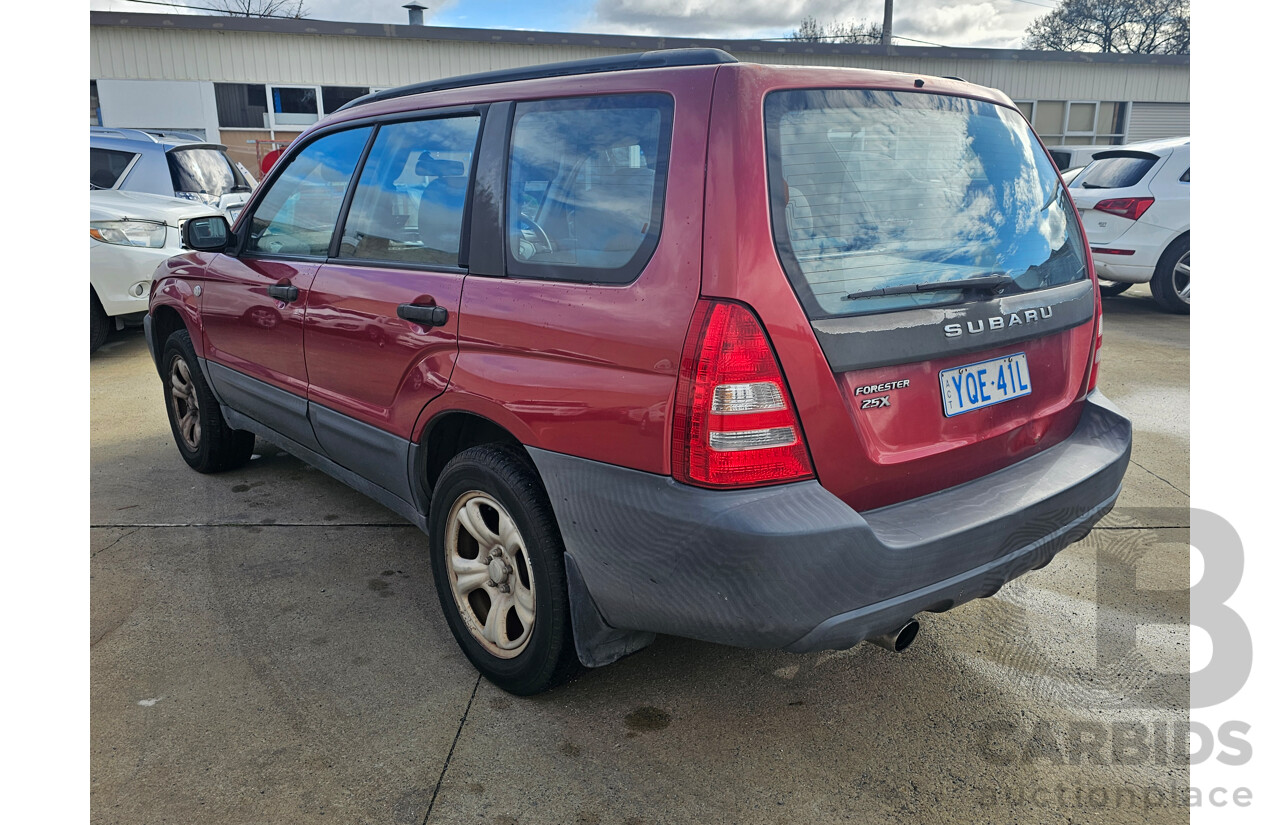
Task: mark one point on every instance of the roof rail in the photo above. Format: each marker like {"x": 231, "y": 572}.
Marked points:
{"x": 661, "y": 59}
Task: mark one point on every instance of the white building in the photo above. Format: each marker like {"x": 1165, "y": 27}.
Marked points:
{"x": 237, "y": 80}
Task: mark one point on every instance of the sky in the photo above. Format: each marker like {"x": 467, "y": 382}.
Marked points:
{"x": 986, "y": 24}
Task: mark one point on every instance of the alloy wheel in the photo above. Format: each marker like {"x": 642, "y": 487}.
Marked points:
{"x": 186, "y": 406}
{"x": 489, "y": 574}
{"x": 1182, "y": 277}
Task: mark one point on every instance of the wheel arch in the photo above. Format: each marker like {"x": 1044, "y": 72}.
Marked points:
{"x": 165, "y": 321}
{"x": 1184, "y": 235}
{"x": 446, "y": 434}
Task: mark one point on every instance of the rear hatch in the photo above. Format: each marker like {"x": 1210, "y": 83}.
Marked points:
{"x": 1113, "y": 192}
{"x": 945, "y": 277}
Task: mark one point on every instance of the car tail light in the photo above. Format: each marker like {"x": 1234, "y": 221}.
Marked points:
{"x": 1131, "y": 208}
{"x": 734, "y": 423}
{"x": 1097, "y": 341}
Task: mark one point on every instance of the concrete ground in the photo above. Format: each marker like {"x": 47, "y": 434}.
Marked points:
{"x": 266, "y": 647}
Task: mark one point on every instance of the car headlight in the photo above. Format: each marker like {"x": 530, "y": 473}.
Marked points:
{"x": 128, "y": 233}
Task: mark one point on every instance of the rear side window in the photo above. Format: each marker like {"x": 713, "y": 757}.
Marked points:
{"x": 296, "y": 216}
{"x": 106, "y": 166}
{"x": 586, "y": 183}
{"x": 412, "y": 195}
{"x": 876, "y": 191}
{"x": 1117, "y": 173}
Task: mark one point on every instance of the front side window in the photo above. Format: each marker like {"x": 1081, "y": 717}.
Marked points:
{"x": 106, "y": 166}
{"x": 877, "y": 190}
{"x": 412, "y": 194}
{"x": 297, "y": 215}
{"x": 585, "y": 186}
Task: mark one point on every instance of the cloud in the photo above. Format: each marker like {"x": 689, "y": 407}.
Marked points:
{"x": 352, "y": 11}
{"x": 991, "y": 23}
{"x": 723, "y": 18}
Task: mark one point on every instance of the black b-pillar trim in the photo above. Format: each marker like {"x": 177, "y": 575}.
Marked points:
{"x": 487, "y": 251}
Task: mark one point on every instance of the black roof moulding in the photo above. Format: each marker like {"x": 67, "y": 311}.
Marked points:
{"x": 662, "y": 59}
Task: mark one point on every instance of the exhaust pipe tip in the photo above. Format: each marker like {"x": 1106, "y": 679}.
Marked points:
{"x": 900, "y": 639}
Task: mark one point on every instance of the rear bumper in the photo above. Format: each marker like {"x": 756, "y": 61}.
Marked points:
{"x": 1109, "y": 270}
{"x": 1147, "y": 243}
{"x": 793, "y": 566}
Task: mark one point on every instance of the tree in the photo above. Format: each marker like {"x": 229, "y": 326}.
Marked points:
{"x": 811, "y": 31}
{"x": 260, "y": 8}
{"x": 1114, "y": 27}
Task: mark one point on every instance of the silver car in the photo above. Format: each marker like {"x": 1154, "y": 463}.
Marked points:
{"x": 175, "y": 164}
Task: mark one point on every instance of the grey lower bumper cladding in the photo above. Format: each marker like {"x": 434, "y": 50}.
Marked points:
{"x": 795, "y": 567}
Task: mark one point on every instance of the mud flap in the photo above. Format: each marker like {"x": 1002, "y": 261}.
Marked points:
{"x": 597, "y": 643}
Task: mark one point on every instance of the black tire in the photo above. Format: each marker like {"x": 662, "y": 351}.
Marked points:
{"x": 1172, "y": 280}
{"x": 99, "y": 323}
{"x": 1111, "y": 289}
{"x": 504, "y": 475}
{"x": 203, "y": 437}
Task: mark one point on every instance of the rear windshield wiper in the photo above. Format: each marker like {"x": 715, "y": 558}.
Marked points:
{"x": 993, "y": 282}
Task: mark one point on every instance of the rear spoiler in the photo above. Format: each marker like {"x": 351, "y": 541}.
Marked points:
{"x": 1125, "y": 153}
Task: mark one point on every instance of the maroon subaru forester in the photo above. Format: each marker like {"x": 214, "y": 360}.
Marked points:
{"x": 665, "y": 343}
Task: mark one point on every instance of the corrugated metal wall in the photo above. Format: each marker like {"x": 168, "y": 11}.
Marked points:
{"x": 1150, "y": 121}
{"x": 256, "y": 57}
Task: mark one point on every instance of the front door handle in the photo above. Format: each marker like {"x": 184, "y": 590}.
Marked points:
{"x": 428, "y": 316}
{"x": 283, "y": 292}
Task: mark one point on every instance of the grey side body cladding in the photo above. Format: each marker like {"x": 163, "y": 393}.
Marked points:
{"x": 374, "y": 462}
{"x": 383, "y": 467}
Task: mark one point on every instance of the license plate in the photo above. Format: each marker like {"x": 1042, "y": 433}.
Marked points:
{"x": 979, "y": 385}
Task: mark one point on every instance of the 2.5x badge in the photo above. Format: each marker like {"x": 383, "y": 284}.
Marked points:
{"x": 877, "y": 401}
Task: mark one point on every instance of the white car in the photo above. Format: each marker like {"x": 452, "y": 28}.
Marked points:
{"x": 130, "y": 234}
{"x": 1135, "y": 206}
{"x": 1071, "y": 157}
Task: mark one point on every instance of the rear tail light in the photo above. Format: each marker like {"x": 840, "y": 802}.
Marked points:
{"x": 734, "y": 424}
{"x": 1131, "y": 208}
{"x": 1097, "y": 341}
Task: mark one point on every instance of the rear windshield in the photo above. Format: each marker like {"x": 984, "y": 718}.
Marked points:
{"x": 205, "y": 174}
{"x": 874, "y": 190}
{"x": 1117, "y": 173}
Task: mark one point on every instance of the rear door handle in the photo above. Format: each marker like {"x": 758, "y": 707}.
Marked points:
{"x": 428, "y": 316}
{"x": 283, "y": 292}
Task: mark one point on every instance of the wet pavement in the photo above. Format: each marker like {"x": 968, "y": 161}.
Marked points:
{"x": 267, "y": 647}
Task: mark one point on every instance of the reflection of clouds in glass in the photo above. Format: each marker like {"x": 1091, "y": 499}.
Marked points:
{"x": 884, "y": 189}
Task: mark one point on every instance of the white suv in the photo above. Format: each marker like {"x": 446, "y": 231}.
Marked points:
{"x": 130, "y": 234}
{"x": 1135, "y": 205}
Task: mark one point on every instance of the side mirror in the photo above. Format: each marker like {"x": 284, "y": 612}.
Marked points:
{"x": 210, "y": 234}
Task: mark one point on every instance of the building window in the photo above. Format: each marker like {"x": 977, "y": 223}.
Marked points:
{"x": 241, "y": 105}
{"x": 1077, "y": 122}
{"x": 335, "y": 97}
{"x": 294, "y": 106}
{"x": 288, "y": 108}
{"x": 95, "y": 109}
